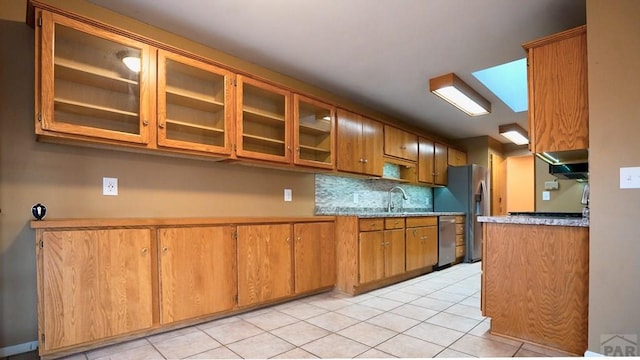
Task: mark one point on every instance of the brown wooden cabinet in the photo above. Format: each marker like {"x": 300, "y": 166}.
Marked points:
{"x": 314, "y": 256}
{"x": 456, "y": 157}
{"x": 195, "y": 105}
{"x": 375, "y": 252}
{"x": 461, "y": 245}
{"x": 313, "y": 134}
{"x": 264, "y": 263}
{"x": 93, "y": 284}
{"x": 381, "y": 254}
{"x": 432, "y": 162}
{"x": 360, "y": 143}
{"x": 535, "y": 283}
{"x": 264, "y": 120}
{"x": 83, "y": 89}
{"x": 421, "y": 242}
{"x": 401, "y": 144}
{"x": 558, "y": 91}
{"x": 101, "y": 280}
{"x": 197, "y": 271}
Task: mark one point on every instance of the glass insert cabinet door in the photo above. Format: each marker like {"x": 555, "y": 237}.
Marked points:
{"x": 86, "y": 87}
{"x": 313, "y": 132}
{"x": 263, "y": 120}
{"x": 194, "y": 110}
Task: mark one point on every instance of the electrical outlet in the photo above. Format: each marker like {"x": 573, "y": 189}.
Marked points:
{"x": 287, "y": 195}
{"x": 110, "y": 186}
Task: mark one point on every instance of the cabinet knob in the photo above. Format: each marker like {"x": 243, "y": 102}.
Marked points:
{"x": 161, "y": 125}
{"x": 299, "y": 238}
{"x": 365, "y": 161}
{"x": 165, "y": 249}
{"x": 144, "y": 251}
{"x": 288, "y": 239}
{"x": 403, "y": 147}
{"x": 145, "y": 122}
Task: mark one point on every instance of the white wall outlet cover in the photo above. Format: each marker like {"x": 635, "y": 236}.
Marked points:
{"x": 109, "y": 186}
{"x": 630, "y": 178}
{"x": 546, "y": 195}
{"x": 287, "y": 195}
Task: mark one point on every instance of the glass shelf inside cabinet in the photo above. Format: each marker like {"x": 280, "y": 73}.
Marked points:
{"x": 314, "y": 128}
{"x": 195, "y": 104}
{"x": 92, "y": 86}
{"x": 263, "y": 121}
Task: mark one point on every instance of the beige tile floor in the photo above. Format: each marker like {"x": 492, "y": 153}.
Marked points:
{"x": 435, "y": 315}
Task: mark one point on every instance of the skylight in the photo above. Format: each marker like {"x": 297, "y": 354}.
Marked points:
{"x": 508, "y": 82}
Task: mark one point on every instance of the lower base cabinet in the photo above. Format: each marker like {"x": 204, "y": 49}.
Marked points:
{"x": 375, "y": 252}
{"x": 100, "y": 281}
{"x": 93, "y": 284}
{"x": 314, "y": 256}
{"x": 422, "y": 247}
{"x": 197, "y": 271}
{"x": 264, "y": 263}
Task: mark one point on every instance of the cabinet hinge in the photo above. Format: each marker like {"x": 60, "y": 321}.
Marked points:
{"x": 41, "y": 340}
{"x": 40, "y": 117}
{"x": 40, "y": 25}
{"x": 41, "y": 245}
{"x": 235, "y": 237}
{"x": 235, "y": 298}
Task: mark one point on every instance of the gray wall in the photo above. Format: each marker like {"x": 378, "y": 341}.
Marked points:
{"x": 613, "y": 40}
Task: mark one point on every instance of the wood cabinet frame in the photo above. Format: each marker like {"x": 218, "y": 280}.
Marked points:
{"x": 152, "y": 273}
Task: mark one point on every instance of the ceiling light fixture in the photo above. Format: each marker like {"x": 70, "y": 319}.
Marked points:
{"x": 457, "y": 93}
{"x": 514, "y": 133}
{"x": 131, "y": 61}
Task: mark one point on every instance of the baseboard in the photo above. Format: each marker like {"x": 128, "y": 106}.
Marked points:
{"x": 18, "y": 349}
{"x": 592, "y": 354}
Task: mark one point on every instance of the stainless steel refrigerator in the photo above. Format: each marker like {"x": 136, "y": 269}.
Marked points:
{"x": 467, "y": 190}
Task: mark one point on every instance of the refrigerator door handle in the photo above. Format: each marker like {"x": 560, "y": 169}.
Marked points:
{"x": 480, "y": 196}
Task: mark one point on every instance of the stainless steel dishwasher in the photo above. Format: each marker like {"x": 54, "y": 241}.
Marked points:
{"x": 446, "y": 240}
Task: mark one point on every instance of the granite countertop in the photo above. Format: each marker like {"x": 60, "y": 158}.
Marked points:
{"x": 531, "y": 220}
{"x": 379, "y": 213}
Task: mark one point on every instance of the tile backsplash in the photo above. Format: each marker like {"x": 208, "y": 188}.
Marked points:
{"x": 345, "y": 195}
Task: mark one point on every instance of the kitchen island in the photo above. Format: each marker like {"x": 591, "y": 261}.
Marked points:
{"x": 535, "y": 279}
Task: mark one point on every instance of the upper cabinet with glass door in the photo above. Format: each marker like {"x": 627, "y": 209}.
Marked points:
{"x": 313, "y": 133}
{"x": 194, "y": 105}
{"x": 263, "y": 121}
{"x": 85, "y": 88}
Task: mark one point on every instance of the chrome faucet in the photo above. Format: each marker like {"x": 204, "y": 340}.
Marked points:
{"x": 390, "y": 203}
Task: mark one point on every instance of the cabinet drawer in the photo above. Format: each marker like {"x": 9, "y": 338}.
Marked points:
{"x": 371, "y": 224}
{"x": 422, "y": 221}
{"x": 394, "y": 223}
{"x": 460, "y": 239}
{"x": 460, "y": 219}
{"x": 459, "y": 251}
{"x": 460, "y": 229}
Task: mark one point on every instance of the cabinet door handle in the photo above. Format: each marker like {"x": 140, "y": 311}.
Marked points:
{"x": 423, "y": 238}
{"x": 145, "y": 122}
{"x": 161, "y": 125}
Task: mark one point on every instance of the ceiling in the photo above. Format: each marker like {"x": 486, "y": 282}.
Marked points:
{"x": 379, "y": 53}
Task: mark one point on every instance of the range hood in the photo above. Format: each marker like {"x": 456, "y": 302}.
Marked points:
{"x": 571, "y": 164}
{"x": 577, "y": 171}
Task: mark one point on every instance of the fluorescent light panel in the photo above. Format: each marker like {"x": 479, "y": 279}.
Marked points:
{"x": 456, "y": 92}
{"x": 514, "y": 133}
